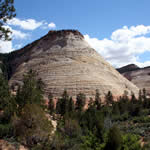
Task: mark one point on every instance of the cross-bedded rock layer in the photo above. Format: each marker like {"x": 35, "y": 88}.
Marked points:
{"x": 64, "y": 60}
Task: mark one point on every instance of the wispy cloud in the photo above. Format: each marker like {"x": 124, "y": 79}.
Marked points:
{"x": 28, "y": 24}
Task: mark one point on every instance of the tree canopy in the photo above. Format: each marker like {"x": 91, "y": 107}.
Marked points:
{"x": 7, "y": 12}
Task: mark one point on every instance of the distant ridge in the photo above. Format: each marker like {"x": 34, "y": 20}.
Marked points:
{"x": 139, "y": 76}
{"x": 130, "y": 67}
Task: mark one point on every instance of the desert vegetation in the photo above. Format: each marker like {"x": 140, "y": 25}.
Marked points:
{"x": 115, "y": 125}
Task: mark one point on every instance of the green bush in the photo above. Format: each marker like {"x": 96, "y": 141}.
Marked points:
{"x": 6, "y": 130}
{"x": 131, "y": 142}
{"x": 114, "y": 139}
{"x": 144, "y": 112}
{"x": 32, "y": 126}
{"x": 145, "y": 119}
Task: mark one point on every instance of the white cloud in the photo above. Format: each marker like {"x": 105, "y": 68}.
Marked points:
{"x": 124, "y": 45}
{"x": 52, "y": 25}
{"x": 6, "y": 46}
{"x": 28, "y": 24}
{"x": 17, "y": 34}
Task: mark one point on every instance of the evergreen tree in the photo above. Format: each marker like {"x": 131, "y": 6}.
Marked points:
{"x": 7, "y": 12}
{"x": 109, "y": 98}
{"x": 62, "y": 104}
{"x": 7, "y": 102}
{"x": 146, "y": 101}
{"x": 123, "y": 103}
{"x": 134, "y": 106}
{"x": 133, "y": 98}
{"x": 32, "y": 127}
{"x": 144, "y": 93}
{"x": 31, "y": 91}
{"x": 116, "y": 110}
{"x": 97, "y": 99}
{"x": 125, "y": 97}
{"x": 90, "y": 103}
{"x": 58, "y": 106}
{"x": 4, "y": 93}
{"x": 140, "y": 96}
{"x": 92, "y": 120}
{"x": 71, "y": 106}
{"x": 114, "y": 139}
{"x": 40, "y": 85}
{"x": 80, "y": 102}
{"x": 51, "y": 104}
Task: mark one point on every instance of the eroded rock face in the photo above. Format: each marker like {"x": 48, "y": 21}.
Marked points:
{"x": 64, "y": 60}
{"x": 139, "y": 76}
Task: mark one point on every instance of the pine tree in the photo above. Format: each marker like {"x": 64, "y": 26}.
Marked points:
{"x": 140, "y": 96}
{"x": 144, "y": 93}
{"x": 51, "y": 104}
{"x": 32, "y": 127}
{"x": 109, "y": 98}
{"x": 123, "y": 103}
{"x": 97, "y": 99}
{"x": 133, "y": 98}
{"x": 80, "y": 102}
{"x": 31, "y": 91}
{"x": 58, "y": 106}
{"x": 7, "y": 12}
{"x": 116, "y": 110}
{"x": 62, "y": 104}
{"x": 145, "y": 99}
{"x": 71, "y": 106}
{"x": 4, "y": 93}
{"x": 114, "y": 139}
{"x": 7, "y": 102}
{"x": 90, "y": 103}
{"x": 125, "y": 97}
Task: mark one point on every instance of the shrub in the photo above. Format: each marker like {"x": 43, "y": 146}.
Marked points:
{"x": 6, "y": 130}
{"x": 32, "y": 126}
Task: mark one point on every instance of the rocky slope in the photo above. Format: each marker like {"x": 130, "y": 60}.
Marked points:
{"x": 64, "y": 60}
{"x": 139, "y": 76}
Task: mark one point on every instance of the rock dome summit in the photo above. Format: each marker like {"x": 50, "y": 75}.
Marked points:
{"x": 64, "y": 60}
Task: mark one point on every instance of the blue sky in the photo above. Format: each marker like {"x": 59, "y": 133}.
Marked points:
{"x": 99, "y": 18}
{"x": 118, "y": 29}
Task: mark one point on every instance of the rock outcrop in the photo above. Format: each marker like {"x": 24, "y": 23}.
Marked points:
{"x": 64, "y": 60}
{"x": 139, "y": 76}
